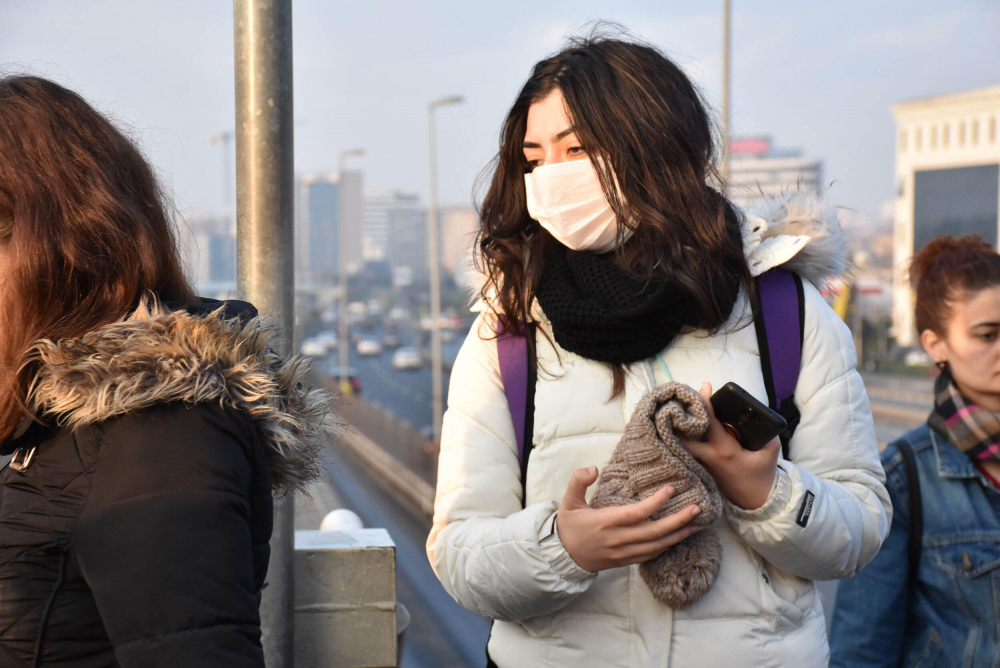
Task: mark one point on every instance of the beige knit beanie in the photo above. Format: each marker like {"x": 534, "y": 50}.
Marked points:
{"x": 650, "y": 456}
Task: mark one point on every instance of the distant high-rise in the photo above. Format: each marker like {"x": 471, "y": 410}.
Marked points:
{"x": 459, "y": 225}
{"x": 378, "y": 205}
{"x": 323, "y": 203}
{"x": 407, "y": 247}
{"x": 758, "y": 169}
{"x": 208, "y": 245}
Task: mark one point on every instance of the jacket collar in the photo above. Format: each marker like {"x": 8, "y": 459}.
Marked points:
{"x": 951, "y": 462}
{"x": 207, "y": 354}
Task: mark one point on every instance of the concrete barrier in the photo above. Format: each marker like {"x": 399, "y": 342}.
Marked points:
{"x": 345, "y": 599}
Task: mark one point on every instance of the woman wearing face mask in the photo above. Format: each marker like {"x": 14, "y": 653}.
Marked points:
{"x": 930, "y": 596}
{"x": 603, "y": 241}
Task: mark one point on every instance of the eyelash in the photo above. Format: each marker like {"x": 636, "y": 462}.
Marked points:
{"x": 570, "y": 150}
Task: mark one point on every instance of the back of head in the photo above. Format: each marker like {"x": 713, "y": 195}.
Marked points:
{"x": 83, "y": 227}
{"x": 948, "y": 269}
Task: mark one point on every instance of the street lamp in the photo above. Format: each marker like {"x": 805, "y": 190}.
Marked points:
{"x": 344, "y": 333}
{"x": 433, "y": 258}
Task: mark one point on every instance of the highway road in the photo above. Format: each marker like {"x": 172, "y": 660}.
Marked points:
{"x": 406, "y": 394}
{"x": 442, "y": 634}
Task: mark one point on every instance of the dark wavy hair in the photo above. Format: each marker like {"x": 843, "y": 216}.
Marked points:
{"x": 82, "y": 223}
{"x": 636, "y": 109}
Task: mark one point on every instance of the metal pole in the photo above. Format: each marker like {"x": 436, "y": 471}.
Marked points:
{"x": 264, "y": 210}
{"x": 344, "y": 332}
{"x": 434, "y": 261}
{"x": 726, "y": 6}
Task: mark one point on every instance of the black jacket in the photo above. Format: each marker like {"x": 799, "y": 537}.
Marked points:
{"x": 138, "y": 533}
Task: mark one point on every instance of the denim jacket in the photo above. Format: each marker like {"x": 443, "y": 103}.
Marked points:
{"x": 952, "y": 615}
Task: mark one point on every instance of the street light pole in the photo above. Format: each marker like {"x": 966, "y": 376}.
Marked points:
{"x": 726, "y": 7}
{"x": 434, "y": 261}
{"x": 344, "y": 332}
{"x": 265, "y": 268}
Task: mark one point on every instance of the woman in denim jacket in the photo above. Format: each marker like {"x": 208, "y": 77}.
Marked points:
{"x": 947, "y": 612}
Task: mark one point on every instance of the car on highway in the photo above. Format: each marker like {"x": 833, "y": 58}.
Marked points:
{"x": 369, "y": 347}
{"x": 391, "y": 341}
{"x": 328, "y": 339}
{"x": 352, "y": 377}
{"x": 407, "y": 359}
{"x": 313, "y": 348}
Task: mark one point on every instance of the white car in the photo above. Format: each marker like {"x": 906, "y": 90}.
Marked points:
{"x": 406, "y": 358}
{"x": 313, "y": 348}
{"x": 369, "y": 347}
{"x": 328, "y": 339}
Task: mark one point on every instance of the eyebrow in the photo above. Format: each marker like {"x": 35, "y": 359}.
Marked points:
{"x": 985, "y": 324}
{"x": 565, "y": 133}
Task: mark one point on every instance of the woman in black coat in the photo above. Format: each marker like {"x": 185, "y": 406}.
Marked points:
{"x": 147, "y": 428}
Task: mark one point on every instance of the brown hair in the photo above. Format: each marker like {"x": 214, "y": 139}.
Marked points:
{"x": 948, "y": 269}
{"x": 83, "y": 224}
{"x": 637, "y": 110}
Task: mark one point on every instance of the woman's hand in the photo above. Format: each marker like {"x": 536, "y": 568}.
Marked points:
{"x": 621, "y": 535}
{"x": 744, "y": 477}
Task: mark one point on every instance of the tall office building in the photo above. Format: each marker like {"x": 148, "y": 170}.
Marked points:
{"x": 324, "y": 203}
{"x": 208, "y": 246}
{"x": 378, "y": 205}
{"x": 757, "y": 168}
{"x": 407, "y": 247}
{"x": 947, "y": 181}
{"x": 459, "y": 225}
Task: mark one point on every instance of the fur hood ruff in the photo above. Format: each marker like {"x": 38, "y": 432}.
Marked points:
{"x": 156, "y": 356}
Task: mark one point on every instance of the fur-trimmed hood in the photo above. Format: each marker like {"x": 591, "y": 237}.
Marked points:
{"x": 157, "y": 355}
{"x": 797, "y": 231}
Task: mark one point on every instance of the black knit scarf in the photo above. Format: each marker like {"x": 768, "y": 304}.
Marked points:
{"x": 600, "y": 312}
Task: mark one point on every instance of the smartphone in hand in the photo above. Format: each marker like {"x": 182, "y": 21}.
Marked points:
{"x": 750, "y": 422}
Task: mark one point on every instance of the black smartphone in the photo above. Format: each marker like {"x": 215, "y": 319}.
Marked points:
{"x": 750, "y": 422}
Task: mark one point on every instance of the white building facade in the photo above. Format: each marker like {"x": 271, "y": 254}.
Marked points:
{"x": 947, "y": 181}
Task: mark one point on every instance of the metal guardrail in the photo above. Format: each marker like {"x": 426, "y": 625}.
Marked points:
{"x": 399, "y": 439}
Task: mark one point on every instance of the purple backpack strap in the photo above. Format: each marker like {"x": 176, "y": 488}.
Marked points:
{"x": 512, "y": 351}
{"x": 518, "y": 375}
{"x": 780, "y": 325}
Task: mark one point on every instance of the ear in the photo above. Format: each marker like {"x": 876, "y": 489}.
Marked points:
{"x": 934, "y": 345}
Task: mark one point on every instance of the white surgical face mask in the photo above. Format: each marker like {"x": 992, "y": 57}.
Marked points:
{"x": 567, "y": 200}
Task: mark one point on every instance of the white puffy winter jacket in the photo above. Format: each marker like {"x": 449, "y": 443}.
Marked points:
{"x": 507, "y": 562}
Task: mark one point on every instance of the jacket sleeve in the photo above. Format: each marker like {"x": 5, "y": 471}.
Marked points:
{"x": 492, "y": 556}
{"x": 828, "y": 511}
{"x": 164, "y": 542}
{"x": 869, "y": 617}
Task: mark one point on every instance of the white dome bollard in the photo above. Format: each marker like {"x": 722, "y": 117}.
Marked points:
{"x": 341, "y": 519}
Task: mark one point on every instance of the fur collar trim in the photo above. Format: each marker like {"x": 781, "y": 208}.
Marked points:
{"x": 156, "y": 356}
{"x": 799, "y": 232}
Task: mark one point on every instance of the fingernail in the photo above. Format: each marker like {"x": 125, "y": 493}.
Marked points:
{"x": 696, "y": 511}
{"x": 668, "y": 490}
{"x": 704, "y": 437}
{"x": 593, "y": 470}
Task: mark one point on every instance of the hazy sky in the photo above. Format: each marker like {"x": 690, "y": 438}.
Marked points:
{"x": 819, "y": 76}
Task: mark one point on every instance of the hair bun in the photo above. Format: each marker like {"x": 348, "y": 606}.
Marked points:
{"x": 968, "y": 247}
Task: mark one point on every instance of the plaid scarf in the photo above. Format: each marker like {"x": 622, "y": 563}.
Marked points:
{"x": 971, "y": 428}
